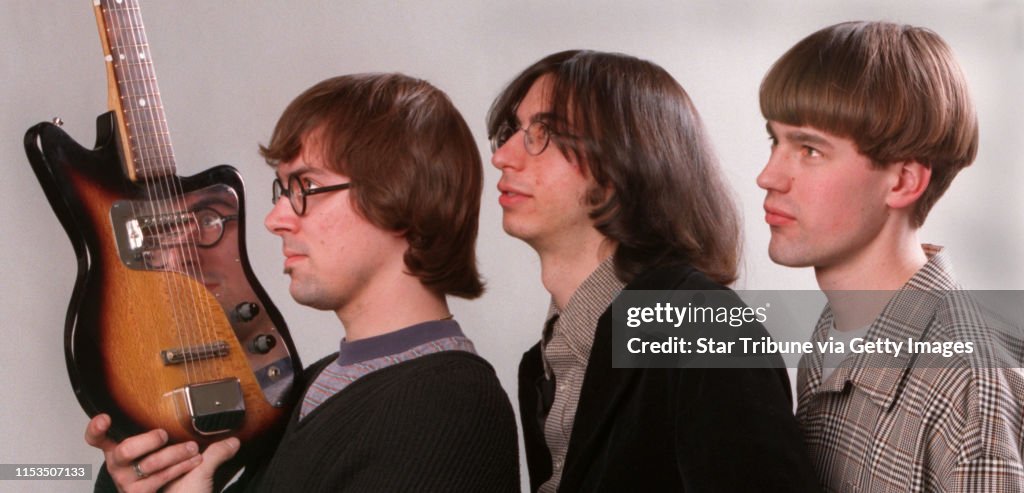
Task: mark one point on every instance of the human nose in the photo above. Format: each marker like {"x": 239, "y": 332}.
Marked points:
{"x": 281, "y": 217}
{"x": 773, "y": 177}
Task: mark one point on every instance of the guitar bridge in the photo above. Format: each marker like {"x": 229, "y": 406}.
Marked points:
{"x": 211, "y": 407}
{"x": 177, "y": 356}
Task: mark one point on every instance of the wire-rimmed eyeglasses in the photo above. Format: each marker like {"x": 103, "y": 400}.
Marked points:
{"x": 536, "y": 136}
{"x": 298, "y": 191}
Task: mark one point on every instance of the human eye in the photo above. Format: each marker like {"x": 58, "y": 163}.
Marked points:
{"x": 773, "y": 141}
{"x": 810, "y": 151}
{"x": 309, "y": 184}
{"x": 538, "y": 131}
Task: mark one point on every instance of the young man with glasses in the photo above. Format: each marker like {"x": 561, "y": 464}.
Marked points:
{"x": 382, "y": 182}
{"x": 869, "y": 123}
{"x": 607, "y": 174}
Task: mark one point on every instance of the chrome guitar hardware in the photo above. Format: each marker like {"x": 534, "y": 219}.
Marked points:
{"x": 178, "y": 356}
{"x": 213, "y": 407}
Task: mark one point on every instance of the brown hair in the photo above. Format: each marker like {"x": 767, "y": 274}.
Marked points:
{"x": 412, "y": 161}
{"x": 895, "y": 90}
{"x": 635, "y": 130}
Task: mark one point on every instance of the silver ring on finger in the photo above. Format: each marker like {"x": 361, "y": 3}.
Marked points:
{"x": 138, "y": 471}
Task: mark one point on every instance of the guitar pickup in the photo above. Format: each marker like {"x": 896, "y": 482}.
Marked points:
{"x": 177, "y": 356}
{"x": 142, "y": 240}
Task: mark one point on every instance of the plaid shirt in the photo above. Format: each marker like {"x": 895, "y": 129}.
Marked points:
{"x": 921, "y": 424}
{"x": 566, "y": 350}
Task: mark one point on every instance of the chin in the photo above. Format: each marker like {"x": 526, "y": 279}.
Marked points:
{"x": 516, "y": 231}
{"x": 789, "y": 259}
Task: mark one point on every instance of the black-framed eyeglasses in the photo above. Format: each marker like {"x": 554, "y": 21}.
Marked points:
{"x": 536, "y": 136}
{"x": 298, "y": 191}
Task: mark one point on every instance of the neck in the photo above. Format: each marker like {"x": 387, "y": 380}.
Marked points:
{"x": 394, "y": 304}
{"x": 859, "y": 287}
{"x": 564, "y": 269}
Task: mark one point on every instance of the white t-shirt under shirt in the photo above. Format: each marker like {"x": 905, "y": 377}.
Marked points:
{"x": 831, "y": 361}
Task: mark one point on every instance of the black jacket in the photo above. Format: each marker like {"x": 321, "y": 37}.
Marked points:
{"x": 689, "y": 429}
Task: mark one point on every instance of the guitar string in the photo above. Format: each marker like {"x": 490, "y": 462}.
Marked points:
{"x": 142, "y": 147}
{"x": 198, "y": 320}
{"x": 199, "y": 295}
{"x": 136, "y": 141}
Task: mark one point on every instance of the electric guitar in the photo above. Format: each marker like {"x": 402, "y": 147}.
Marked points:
{"x": 167, "y": 325}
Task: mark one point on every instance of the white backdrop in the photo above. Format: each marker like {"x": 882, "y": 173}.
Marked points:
{"x": 228, "y": 68}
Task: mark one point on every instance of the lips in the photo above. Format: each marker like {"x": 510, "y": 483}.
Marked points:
{"x": 291, "y": 257}
{"x": 777, "y": 217}
{"x": 511, "y": 195}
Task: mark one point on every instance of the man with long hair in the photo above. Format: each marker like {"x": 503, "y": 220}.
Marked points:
{"x": 606, "y": 172}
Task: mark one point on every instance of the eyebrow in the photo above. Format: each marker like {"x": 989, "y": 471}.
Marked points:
{"x": 542, "y": 116}
{"x": 546, "y": 117}
{"x": 298, "y": 171}
{"x": 801, "y": 137}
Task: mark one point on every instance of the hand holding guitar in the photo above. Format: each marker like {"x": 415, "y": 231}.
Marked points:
{"x": 145, "y": 463}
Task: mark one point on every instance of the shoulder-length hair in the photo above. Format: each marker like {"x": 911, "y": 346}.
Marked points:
{"x": 637, "y": 133}
{"x": 412, "y": 160}
{"x": 895, "y": 90}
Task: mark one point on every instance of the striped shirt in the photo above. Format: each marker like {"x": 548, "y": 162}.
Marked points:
{"x": 568, "y": 338}
{"x": 364, "y": 356}
{"x": 925, "y": 423}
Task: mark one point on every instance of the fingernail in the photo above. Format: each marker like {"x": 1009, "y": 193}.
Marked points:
{"x": 163, "y": 435}
{"x": 233, "y": 442}
{"x": 196, "y": 459}
{"x": 192, "y": 448}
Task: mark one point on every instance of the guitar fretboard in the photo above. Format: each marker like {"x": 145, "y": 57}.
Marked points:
{"x": 145, "y": 124}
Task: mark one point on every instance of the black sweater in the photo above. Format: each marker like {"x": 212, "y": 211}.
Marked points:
{"x": 440, "y": 422}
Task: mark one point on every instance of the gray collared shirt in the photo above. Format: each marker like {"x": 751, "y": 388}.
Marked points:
{"x": 566, "y": 350}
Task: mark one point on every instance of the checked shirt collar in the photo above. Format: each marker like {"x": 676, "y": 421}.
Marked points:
{"x": 907, "y": 315}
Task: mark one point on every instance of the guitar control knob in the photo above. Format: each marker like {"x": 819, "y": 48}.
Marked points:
{"x": 246, "y": 311}
{"x": 263, "y": 343}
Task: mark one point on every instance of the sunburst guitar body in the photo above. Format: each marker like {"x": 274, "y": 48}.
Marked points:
{"x": 167, "y": 325}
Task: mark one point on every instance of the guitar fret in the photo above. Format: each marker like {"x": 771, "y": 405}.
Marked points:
{"x": 140, "y": 100}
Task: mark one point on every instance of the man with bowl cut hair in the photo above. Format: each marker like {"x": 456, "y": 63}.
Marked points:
{"x": 869, "y": 123}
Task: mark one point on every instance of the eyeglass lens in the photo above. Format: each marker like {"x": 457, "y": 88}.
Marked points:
{"x": 535, "y": 137}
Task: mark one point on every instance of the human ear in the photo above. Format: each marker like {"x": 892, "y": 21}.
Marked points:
{"x": 912, "y": 180}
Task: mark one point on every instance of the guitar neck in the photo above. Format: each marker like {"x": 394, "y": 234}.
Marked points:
{"x": 132, "y": 91}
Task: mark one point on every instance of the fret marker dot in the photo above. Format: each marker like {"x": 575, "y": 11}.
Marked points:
{"x": 108, "y": 58}
{"x": 121, "y": 56}
{"x": 142, "y": 56}
{"x": 142, "y": 102}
